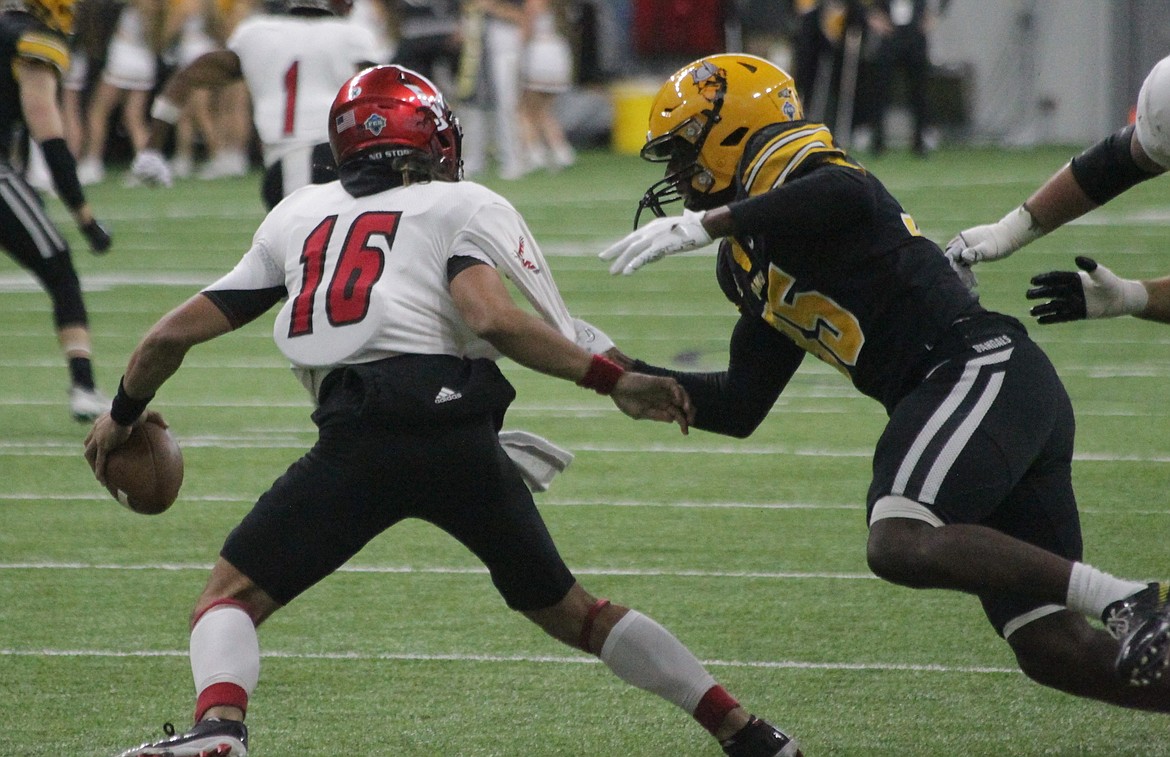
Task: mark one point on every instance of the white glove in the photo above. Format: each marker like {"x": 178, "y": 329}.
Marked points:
{"x": 151, "y": 168}
{"x": 655, "y": 240}
{"x": 1107, "y": 295}
{"x": 591, "y": 338}
{"x": 994, "y": 240}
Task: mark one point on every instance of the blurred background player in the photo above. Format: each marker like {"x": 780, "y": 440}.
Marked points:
{"x": 902, "y": 29}
{"x": 430, "y": 38}
{"x": 127, "y": 81}
{"x": 972, "y": 476}
{"x": 33, "y": 37}
{"x": 293, "y": 64}
{"x": 202, "y": 29}
{"x": 546, "y": 71}
{"x": 494, "y": 36}
{"x": 395, "y": 310}
{"x": 1129, "y": 156}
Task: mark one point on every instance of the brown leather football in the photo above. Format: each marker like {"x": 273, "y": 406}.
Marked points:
{"x": 146, "y": 472}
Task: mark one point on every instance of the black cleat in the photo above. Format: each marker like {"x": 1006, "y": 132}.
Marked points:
{"x": 761, "y": 739}
{"x": 1145, "y": 652}
{"x": 1122, "y": 617}
{"x": 207, "y": 738}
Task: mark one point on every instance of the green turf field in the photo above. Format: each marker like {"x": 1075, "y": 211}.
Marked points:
{"x": 751, "y": 551}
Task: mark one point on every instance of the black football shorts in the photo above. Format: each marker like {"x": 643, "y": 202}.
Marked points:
{"x": 371, "y": 468}
{"x": 987, "y": 438}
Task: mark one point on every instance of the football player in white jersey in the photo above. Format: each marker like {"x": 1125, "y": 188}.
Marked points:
{"x": 395, "y": 309}
{"x": 292, "y": 64}
{"x": 1127, "y": 157}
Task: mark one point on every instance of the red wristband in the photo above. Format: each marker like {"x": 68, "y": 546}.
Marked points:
{"x": 602, "y": 376}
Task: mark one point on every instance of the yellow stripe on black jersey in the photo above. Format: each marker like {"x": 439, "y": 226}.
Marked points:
{"x": 45, "y": 47}
{"x": 783, "y": 153}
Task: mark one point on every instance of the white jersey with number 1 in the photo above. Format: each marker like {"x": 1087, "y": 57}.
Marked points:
{"x": 366, "y": 277}
{"x": 293, "y": 67}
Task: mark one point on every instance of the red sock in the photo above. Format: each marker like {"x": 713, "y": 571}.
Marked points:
{"x": 713, "y": 708}
{"x": 220, "y": 695}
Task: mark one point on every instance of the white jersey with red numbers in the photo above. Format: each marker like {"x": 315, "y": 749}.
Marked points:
{"x": 293, "y": 67}
{"x": 367, "y": 276}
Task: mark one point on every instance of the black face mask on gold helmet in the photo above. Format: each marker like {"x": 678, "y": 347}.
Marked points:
{"x": 680, "y": 147}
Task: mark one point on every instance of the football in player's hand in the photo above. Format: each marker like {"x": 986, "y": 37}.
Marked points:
{"x": 145, "y": 473}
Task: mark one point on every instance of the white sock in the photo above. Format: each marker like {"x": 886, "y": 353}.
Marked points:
{"x": 1090, "y": 590}
{"x": 225, "y": 649}
{"x": 644, "y": 654}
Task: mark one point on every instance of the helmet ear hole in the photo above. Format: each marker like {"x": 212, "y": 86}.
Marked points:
{"x": 735, "y": 137}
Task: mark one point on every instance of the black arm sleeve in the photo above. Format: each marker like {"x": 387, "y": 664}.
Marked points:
{"x": 817, "y": 203}
{"x": 63, "y": 169}
{"x": 1107, "y": 169}
{"x": 457, "y": 264}
{"x": 243, "y": 306}
{"x": 734, "y": 402}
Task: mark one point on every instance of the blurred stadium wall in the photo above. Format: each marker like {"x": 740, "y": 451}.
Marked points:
{"x": 1050, "y": 71}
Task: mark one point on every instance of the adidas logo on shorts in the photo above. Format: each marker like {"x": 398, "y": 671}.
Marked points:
{"x": 446, "y": 395}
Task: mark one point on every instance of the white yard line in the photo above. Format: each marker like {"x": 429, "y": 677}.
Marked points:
{"x": 507, "y": 659}
{"x": 469, "y": 571}
{"x": 49, "y": 448}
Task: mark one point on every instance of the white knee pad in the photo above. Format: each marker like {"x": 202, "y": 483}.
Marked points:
{"x": 893, "y": 506}
{"x": 1153, "y": 114}
{"x": 1020, "y": 621}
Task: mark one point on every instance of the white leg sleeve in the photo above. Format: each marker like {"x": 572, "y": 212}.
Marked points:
{"x": 225, "y": 649}
{"x": 644, "y": 654}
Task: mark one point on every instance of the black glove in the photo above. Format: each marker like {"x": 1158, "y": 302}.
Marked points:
{"x": 99, "y": 238}
{"x": 1065, "y": 292}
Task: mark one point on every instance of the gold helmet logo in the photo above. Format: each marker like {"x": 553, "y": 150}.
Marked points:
{"x": 709, "y": 80}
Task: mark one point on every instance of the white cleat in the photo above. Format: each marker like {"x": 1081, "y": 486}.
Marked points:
{"x": 87, "y": 404}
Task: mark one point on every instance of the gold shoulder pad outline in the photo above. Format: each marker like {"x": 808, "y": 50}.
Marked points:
{"x": 46, "y": 48}
{"x": 784, "y": 153}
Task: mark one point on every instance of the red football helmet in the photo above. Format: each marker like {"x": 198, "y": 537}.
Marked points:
{"x": 397, "y": 111}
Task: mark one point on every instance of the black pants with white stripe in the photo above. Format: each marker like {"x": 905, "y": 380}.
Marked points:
{"x": 987, "y": 438}
{"x": 33, "y": 241}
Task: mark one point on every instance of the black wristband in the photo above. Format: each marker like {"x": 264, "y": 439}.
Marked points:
{"x": 125, "y": 409}
{"x": 63, "y": 167}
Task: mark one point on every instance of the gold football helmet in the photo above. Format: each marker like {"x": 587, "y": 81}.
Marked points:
{"x": 55, "y": 14}
{"x": 701, "y": 118}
